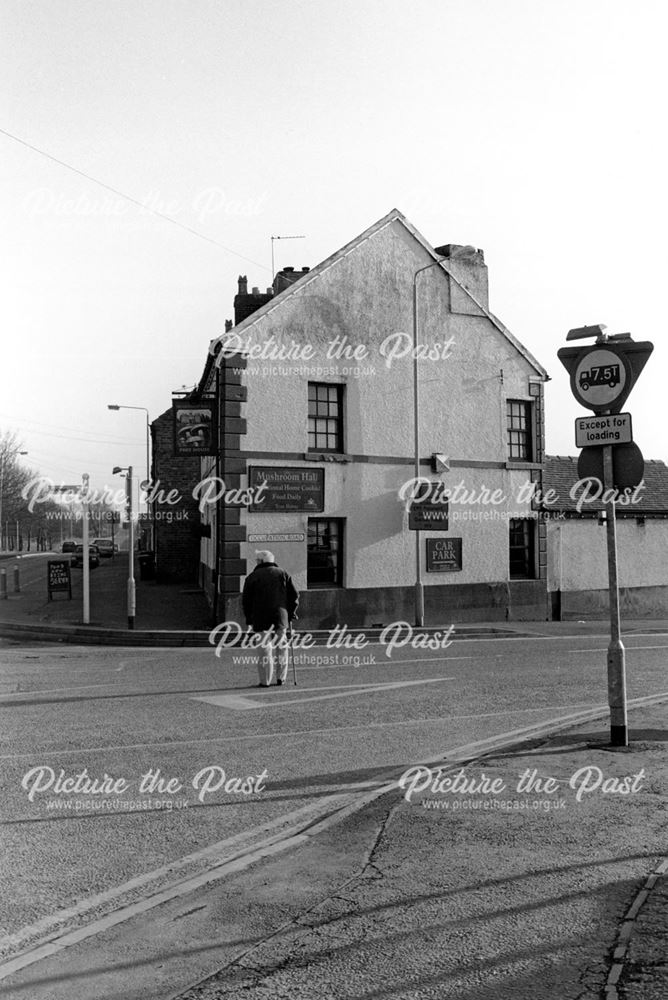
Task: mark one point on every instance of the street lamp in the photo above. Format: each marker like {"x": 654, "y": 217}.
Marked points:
{"x": 118, "y": 406}
{"x": 131, "y": 589}
{"x": 419, "y": 588}
{"x": 3, "y": 459}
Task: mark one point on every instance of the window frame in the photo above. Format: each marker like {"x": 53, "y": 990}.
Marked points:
{"x": 338, "y": 387}
{"x": 339, "y": 523}
{"x": 528, "y": 548}
{"x": 523, "y": 426}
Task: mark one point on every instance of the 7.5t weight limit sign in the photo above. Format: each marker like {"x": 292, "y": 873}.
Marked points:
{"x": 603, "y": 374}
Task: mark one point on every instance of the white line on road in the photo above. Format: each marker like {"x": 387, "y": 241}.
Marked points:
{"x": 169, "y": 744}
{"x": 36, "y": 691}
{"x": 52, "y": 937}
{"x": 604, "y": 649}
{"x": 242, "y": 703}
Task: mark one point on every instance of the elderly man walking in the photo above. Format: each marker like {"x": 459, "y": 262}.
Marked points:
{"x": 270, "y": 601}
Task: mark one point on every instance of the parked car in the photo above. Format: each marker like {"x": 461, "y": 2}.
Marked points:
{"x": 93, "y": 556}
{"x": 69, "y": 546}
{"x": 106, "y": 547}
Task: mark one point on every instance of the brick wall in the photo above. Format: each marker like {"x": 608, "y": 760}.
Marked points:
{"x": 232, "y": 394}
{"x": 176, "y": 526}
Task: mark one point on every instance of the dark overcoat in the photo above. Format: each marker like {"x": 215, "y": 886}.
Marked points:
{"x": 269, "y": 597}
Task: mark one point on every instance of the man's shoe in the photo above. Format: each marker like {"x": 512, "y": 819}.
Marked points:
{"x": 278, "y": 682}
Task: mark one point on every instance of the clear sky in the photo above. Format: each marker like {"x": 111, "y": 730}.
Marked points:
{"x": 534, "y": 129}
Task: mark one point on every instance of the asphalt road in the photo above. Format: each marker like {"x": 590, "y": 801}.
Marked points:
{"x": 176, "y": 719}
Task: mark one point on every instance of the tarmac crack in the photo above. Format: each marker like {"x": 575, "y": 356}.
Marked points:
{"x": 256, "y": 972}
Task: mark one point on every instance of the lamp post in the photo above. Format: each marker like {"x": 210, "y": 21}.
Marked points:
{"x": 3, "y": 459}
{"x": 131, "y": 588}
{"x": 118, "y": 406}
{"x": 419, "y": 588}
{"x": 85, "y": 480}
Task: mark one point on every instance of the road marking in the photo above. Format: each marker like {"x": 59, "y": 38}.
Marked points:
{"x": 25, "y": 693}
{"x": 287, "y": 734}
{"x": 239, "y": 702}
{"x": 604, "y": 649}
{"x": 52, "y": 937}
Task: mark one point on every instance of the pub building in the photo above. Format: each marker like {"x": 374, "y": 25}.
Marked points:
{"x": 313, "y": 393}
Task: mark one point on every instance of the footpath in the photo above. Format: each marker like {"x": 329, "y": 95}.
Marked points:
{"x": 170, "y": 614}
{"x": 468, "y": 895}
{"x": 536, "y": 871}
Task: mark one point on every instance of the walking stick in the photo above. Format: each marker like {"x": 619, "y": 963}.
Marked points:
{"x": 292, "y": 654}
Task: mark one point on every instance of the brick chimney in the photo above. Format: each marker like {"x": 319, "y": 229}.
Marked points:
{"x": 245, "y": 303}
{"x": 287, "y": 276}
{"x": 468, "y": 266}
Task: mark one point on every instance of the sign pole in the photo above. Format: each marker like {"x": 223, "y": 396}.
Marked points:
{"x": 616, "y": 654}
{"x": 132, "y": 593}
{"x": 86, "y": 551}
{"x": 602, "y": 377}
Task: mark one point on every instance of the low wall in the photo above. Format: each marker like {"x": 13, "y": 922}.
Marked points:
{"x": 634, "y": 602}
{"x": 519, "y": 600}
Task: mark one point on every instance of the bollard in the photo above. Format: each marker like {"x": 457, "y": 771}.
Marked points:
{"x": 3, "y": 584}
{"x": 17, "y": 583}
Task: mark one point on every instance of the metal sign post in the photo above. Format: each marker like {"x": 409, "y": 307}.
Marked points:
{"x": 86, "y": 550}
{"x": 132, "y": 590}
{"x": 602, "y": 377}
{"x": 619, "y": 736}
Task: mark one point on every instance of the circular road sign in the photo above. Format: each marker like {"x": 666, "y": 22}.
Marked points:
{"x": 600, "y": 377}
{"x": 628, "y": 465}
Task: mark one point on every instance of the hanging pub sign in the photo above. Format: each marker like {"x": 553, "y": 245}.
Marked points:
{"x": 281, "y": 488}
{"x": 194, "y": 428}
{"x": 58, "y": 577}
{"x": 444, "y": 555}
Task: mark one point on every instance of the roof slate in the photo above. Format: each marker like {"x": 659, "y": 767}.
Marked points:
{"x": 561, "y": 474}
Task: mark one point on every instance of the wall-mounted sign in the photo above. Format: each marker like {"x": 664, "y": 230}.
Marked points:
{"x": 58, "y": 577}
{"x": 428, "y": 516}
{"x": 297, "y": 536}
{"x": 287, "y": 489}
{"x": 194, "y": 428}
{"x": 444, "y": 555}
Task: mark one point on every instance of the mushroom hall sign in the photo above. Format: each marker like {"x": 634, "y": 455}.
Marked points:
{"x": 287, "y": 489}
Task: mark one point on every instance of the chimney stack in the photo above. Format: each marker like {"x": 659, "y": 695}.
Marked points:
{"x": 245, "y": 304}
{"x": 468, "y": 266}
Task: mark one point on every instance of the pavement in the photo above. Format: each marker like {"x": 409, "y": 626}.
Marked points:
{"x": 178, "y": 608}
{"x": 556, "y": 889}
{"x": 538, "y": 873}
{"x": 537, "y": 870}
{"x": 178, "y": 614}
